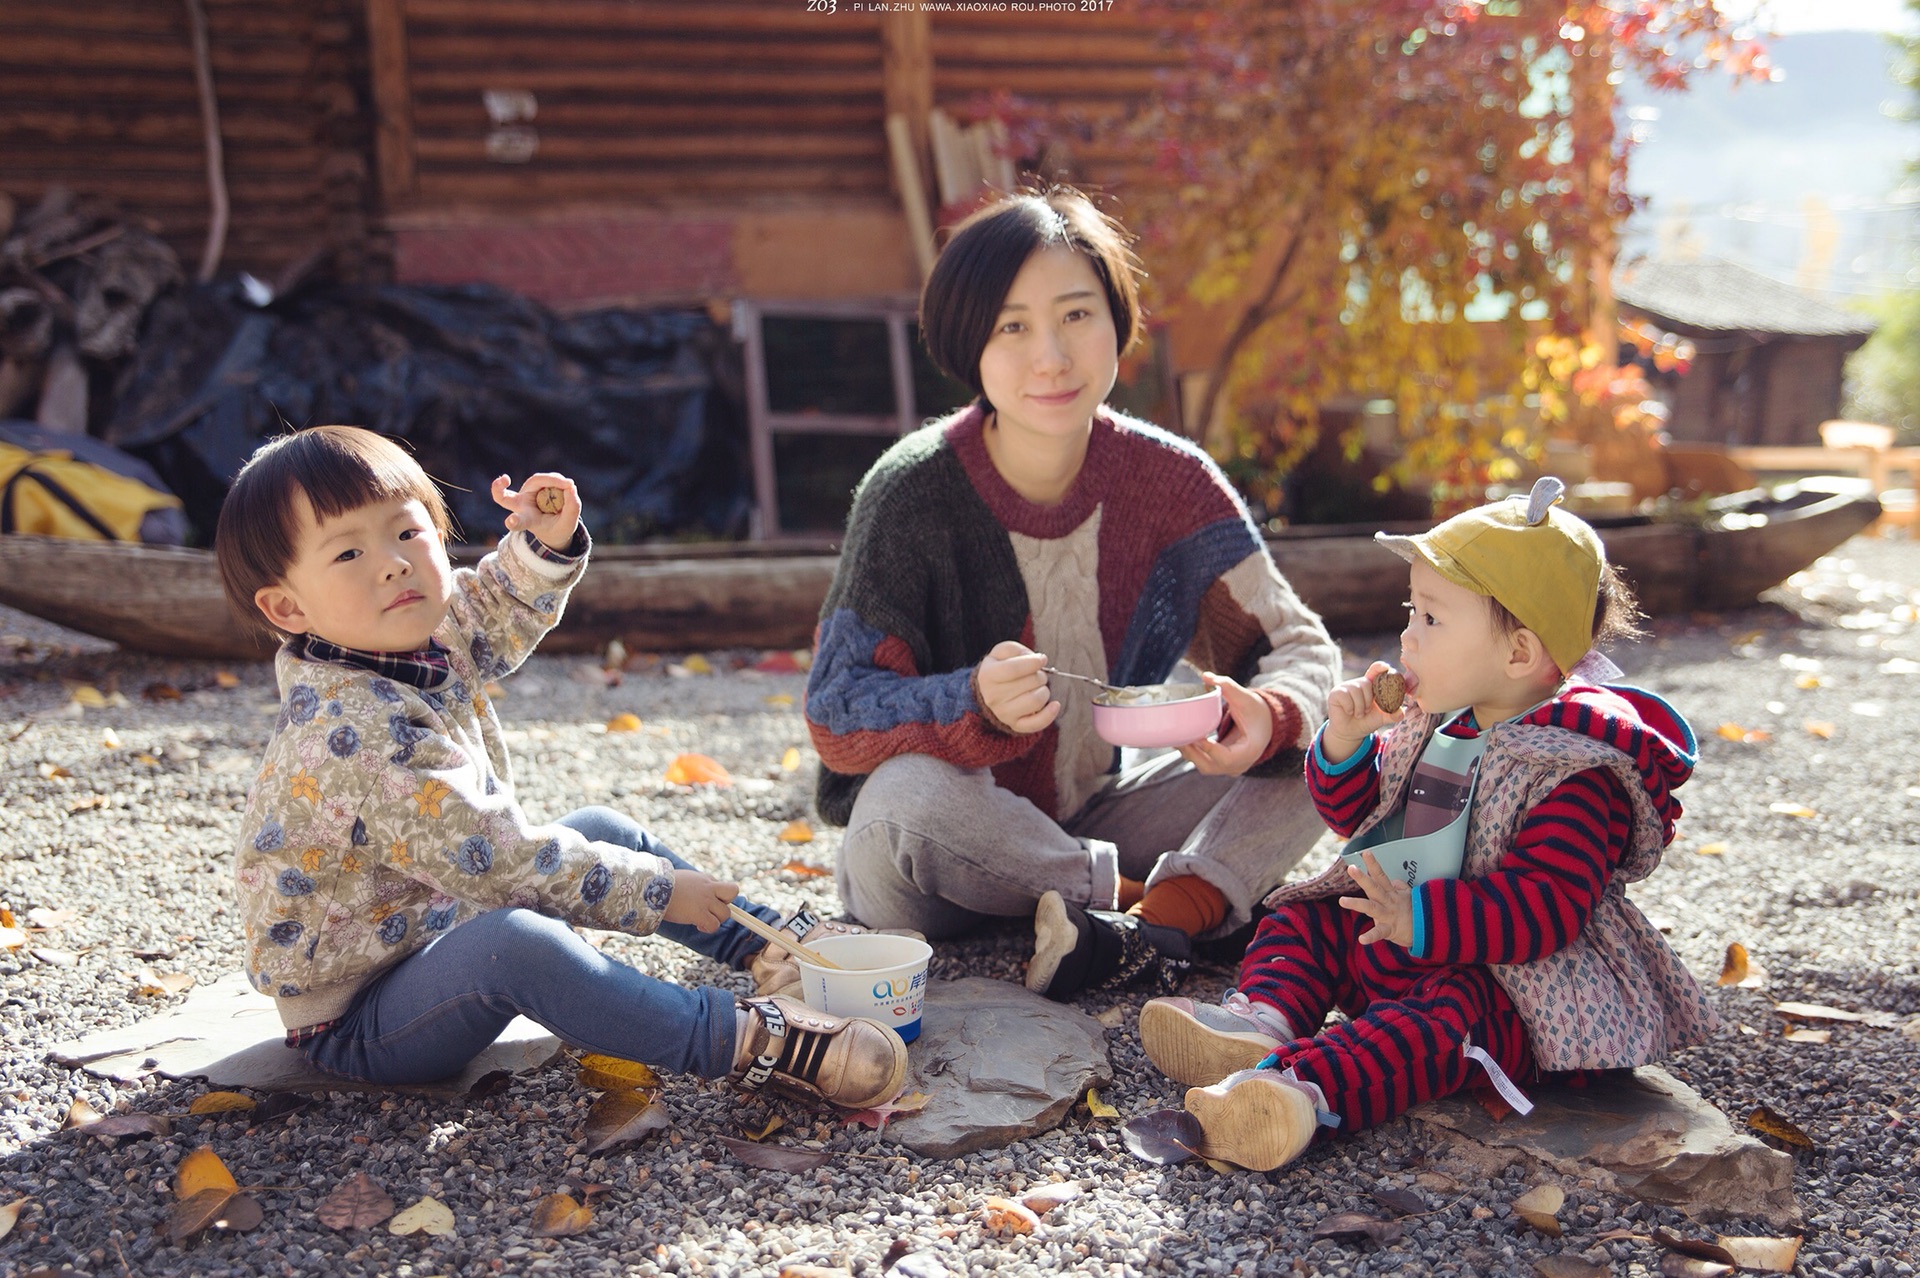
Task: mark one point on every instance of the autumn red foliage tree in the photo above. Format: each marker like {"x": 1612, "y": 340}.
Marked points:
{"x": 1400, "y": 199}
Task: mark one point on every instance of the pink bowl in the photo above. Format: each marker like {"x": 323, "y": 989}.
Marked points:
{"x": 1168, "y": 723}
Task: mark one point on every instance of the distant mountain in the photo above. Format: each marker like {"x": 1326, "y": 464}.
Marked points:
{"x": 1728, "y": 168}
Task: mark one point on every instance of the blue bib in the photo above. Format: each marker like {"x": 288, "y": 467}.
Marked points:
{"x": 1426, "y": 838}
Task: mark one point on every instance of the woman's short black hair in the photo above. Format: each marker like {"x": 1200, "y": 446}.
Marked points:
{"x": 960, "y": 306}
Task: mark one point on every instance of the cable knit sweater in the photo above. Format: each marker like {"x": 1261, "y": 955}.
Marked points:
{"x": 384, "y": 813}
{"x": 1148, "y": 558}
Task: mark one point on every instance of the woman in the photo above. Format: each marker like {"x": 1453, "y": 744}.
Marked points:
{"x": 1038, "y": 527}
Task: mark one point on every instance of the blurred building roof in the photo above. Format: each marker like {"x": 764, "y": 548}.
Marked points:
{"x": 1712, "y": 296}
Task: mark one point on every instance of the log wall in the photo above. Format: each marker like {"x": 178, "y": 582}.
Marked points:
{"x": 100, "y": 96}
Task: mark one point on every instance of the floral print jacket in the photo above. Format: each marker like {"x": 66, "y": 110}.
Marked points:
{"x": 384, "y": 812}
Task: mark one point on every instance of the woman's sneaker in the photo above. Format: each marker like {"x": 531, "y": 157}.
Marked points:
{"x": 1076, "y": 950}
{"x": 773, "y": 969}
{"x": 848, "y": 1061}
{"x": 1202, "y": 1043}
{"x": 1254, "y": 1119}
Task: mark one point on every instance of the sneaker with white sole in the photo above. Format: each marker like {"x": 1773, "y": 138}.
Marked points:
{"x": 1201, "y": 1043}
{"x": 1255, "y": 1119}
{"x": 847, "y": 1061}
{"x": 773, "y": 970}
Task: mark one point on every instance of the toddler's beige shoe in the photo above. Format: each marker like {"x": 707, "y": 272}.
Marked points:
{"x": 1254, "y": 1119}
{"x": 848, "y": 1061}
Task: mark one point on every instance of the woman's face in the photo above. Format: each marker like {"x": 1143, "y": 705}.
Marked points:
{"x": 1053, "y": 354}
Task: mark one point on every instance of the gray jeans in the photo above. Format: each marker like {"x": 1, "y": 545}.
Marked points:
{"x": 939, "y": 848}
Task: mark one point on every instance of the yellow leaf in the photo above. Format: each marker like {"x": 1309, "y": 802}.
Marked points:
{"x": 1807, "y": 682}
{"x": 791, "y": 759}
{"x": 1792, "y": 809}
{"x": 1819, "y": 728}
{"x": 1099, "y": 1108}
{"x": 560, "y": 1216}
{"x": 697, "y": 664}
{"x": 1809, "y": 1036}
{"x": 803, "y": 870}
{"x": 428, "y": 1216}
{"x": 53, "y": 771}
{"x": 202, "y": 1170}
{"x": 1540, "y": 1207}
{"x": 1770, "y": 1122}
{"x": 220, "y": 1103}
{"x": 1764, "y": 1255}
{"x": 796, "y": 831}
{"x": 697, "y": 769}
{"x": 226, "y": 678}
{"x": 148, "y": 981}
{"x": 1711, "y": 849}
{"x": 10, "y": 1214}
{"x": 89, "y": 696}
{"x": 624, "y": 723}
{"x": 779, "y": 699}
{"x": 1733, "y": 968}
{"x": 774, "y": 1124}
{"x": 1748, "y": 736}
{"x": 611, "y": 1074}
{"x": 110, "y": 740}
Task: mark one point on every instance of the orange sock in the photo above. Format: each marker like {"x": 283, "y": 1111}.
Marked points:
{"x": 1188, "y": 903}
{"x": 1131, "y": 890}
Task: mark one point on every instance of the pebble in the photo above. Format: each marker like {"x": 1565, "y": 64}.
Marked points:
{"x": 1824, "y": 903}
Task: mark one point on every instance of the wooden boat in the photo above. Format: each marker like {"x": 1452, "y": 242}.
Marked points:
{"x": 168, "y": 601}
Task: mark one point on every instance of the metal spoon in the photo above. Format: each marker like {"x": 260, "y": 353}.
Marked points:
{"x": 1101, "y": 684}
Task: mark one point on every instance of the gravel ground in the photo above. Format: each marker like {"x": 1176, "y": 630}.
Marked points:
{"x": 124, "y": 814}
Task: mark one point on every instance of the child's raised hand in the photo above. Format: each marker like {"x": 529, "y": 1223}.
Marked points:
{"x": 1013, "y": 689}
{"x": 699, "y": 899}
{"x": 1352, "y": 716}
{"x": 1388, "y": 902}
{"x": 546, "y": 505}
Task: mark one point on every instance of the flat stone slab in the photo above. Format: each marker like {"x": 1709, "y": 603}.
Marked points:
{"x": 230, "y": 1035}
{"x": 1645, "y": 1134}
{"x": 998, "y": 1063}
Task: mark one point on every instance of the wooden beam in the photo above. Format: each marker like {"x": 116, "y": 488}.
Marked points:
{"x": 906, "y": 60}
{"x": 393, "y": 133}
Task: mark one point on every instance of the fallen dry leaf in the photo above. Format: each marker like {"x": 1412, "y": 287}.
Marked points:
{"x": 625, "y": 722}
{"x": 778, "y": 662}
{"x": 12, "y": 938}
{"x": 1353, "y": 1226}
{"x": 1767, "y": 1255}
{"x": 10, "y": 1215}
{"x": 359, "y": 1203}
{"x": 428, "y": 1216}
{"x": 80, "y": 1114}
{"x": 1044, "y": 1199}
{"x": 1821, "y": 1012}
{"x": 1099, "y": 1108}
{"x": 160, "y": 692}
{"x": 202, "y": 1170}
{"x": 876, "y": 1118}
{"x": 220, "y": 1103}
{"x": 1770, "y": 1122}
{"x": 611, "y": 1074}
{"x": 1004, "y": 1216}
{"x": 1792, "y": 809}
{"x": 774, "y": 1157}
{"x": 813, "y": 1271}
{"x": 1809, "y": 1036}
{"x": 804, "y": 870}
{"x": 560, "y": 1216}
{"x": 87, "y": 804}
{"x": 212, "y": 1209}
{"x": 53, "y": 957}
{"x": 623, "y": 1116}
{"x": 1114, "y": 1017}
{"x": 1733, "y": 968}
{"x": 1568, "y": 1265}
{"x": 42, "y": 917}
{"x": 1807, "y": 682}
{"x": 1162, "y": 1136}
{"x": 1711, "y": 849}
{"x": 53, "y": 772}
{"x": 1406, "y": 1202}
{"x": 114, "y": 1126}
{"x": 796, "y": 831}
{"x": 87, "y": 695}
{"x": 148, "y": 981}
{"x": 774, "y": 1124}
{"x": 1540, "y": 1207}
{"x": 226, "y": 678}
{"x": 109, "y": 740}
{"x": 1746, "y": 736}
{"x": 790, "y": 761}
{"x": 778, "y": 698}
{"x": 697, "y": 769}
{"x": 1673, "y": 1265}
{"x": 697, "y": 664}
{"x": 1819, "y": 728}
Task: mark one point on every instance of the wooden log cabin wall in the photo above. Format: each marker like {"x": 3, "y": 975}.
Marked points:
{"x": 651, "y": 151}
{"x": 100, "y": 96}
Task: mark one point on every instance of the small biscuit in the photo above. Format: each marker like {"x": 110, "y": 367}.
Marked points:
{"x": 1389, "y": 691}
{"x": 550, "y": 501}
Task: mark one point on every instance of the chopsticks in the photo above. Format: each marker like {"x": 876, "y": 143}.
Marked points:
{"x": 773, "y": 935}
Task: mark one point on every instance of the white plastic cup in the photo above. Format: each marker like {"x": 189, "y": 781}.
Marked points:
{"x": 881, "y": 977}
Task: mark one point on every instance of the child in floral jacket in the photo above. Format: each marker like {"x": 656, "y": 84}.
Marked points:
{"x": 400, "y": 907}
{"x": 1495, "y": 825}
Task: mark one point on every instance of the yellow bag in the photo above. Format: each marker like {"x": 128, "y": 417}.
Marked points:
{"x": 52, "y": 493}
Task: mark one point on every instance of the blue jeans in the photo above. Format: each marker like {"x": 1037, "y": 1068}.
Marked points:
{"x": 441, "y": 1006}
